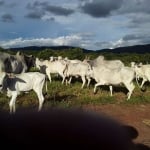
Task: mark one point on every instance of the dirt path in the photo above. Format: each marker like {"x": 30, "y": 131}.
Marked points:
{"x": 137, "y": 116}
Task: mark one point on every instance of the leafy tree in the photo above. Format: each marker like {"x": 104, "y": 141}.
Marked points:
{"x": 45, "y": 54}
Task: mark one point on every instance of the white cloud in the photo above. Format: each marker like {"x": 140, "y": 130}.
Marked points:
{"x": 123, "y": 43}
{"x": 77, "y": 40}
{"x": 72, "y": 40}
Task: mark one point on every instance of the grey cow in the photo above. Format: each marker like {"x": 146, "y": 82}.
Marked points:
{"x": 18, "y": 63}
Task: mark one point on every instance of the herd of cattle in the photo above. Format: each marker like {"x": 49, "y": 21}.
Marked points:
{"x": 15, "y": 74}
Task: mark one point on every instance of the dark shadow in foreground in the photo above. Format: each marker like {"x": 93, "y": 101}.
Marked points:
{"x": 65, "y": 129}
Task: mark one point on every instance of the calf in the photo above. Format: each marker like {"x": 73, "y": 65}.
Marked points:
{"x": 14, "y": 84}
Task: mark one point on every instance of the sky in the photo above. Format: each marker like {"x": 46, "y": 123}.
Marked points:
{"x": 89, "y": 24}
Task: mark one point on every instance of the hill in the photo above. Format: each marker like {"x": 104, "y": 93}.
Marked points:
{"x": 130, "y": 49}
{"x": 40, "y": 48}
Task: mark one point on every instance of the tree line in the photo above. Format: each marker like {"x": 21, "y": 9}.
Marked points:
{"x": 78, "y": 53}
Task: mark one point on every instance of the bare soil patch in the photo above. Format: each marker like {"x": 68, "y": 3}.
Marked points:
{"x": 137, "y": 116}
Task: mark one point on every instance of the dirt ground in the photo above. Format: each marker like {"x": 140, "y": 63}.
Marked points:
{"x": 137, "y": 116}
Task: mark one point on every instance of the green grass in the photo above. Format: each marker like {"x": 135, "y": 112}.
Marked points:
{"x": 73, "y": 96}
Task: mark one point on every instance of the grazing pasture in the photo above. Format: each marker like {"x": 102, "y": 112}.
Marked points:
{"x": 67, "y": 96}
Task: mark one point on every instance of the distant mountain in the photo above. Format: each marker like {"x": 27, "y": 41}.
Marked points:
{"x": 39, "y": 48}
{"x": 130, "y": 49}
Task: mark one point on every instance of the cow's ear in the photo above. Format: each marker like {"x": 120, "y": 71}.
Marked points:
{"x": 19, "y": 53}
{"x": 31, "y": 56}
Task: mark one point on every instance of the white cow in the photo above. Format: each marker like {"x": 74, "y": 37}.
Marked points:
{"x": 39, "y": 62}
{"x": 78, "y": 69}
{"x": 137, "y": 77}
{"x": 142, "y": 71}
{"x": 57, "y": 67}
{"x": 52, "y": 58}
{"x": 23, "y": 82}
{"x": 72, "y": 60}
{"x": 112, "y": 64}
{"x": 106, "y": 76}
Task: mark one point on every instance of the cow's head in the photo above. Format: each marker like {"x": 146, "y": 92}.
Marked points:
{"x": 7, "y": 65}
{"x": 13, "y": 65}
{"x": 30, "y": 61}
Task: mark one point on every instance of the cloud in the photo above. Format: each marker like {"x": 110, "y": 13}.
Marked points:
{"x": 135, "y": 6}
{"x": 6, "y": 4}
{"x": 127, "y": 40}
{"x": 100, "y": 8}
{"x": 139, "y": 21}
{"x": 105, "y": 8}
{"x": 114, "y": 44}
{"x": 103, "y": 44}
{"x": 39, "y": 9}
{"x": 132, "y": 39}
{"x": 82, "y": 40}
{"x": 11, "y": 5}
{"x": 139, "y": 37}
{"x": 58, "y": 10}
{"x": 48, "y": 18}
{"x": 2, "y": 2}
{"x": 7, "y": 18}
{"x": 35, "y": 15}
{"x": 73, "y": 40}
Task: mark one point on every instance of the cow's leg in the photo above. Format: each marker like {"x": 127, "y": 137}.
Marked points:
{"x": 69, "y": 82}
{"x": 96, "y": 85}
{"x": 89, "y": 80}
{"x": 66, "y": 80}
{"x": 41, "y": 100}
{"x": 39, "y": 93}
{"x": 63, "y": 79}
{"x": 49, "y": 75}
{"x": 12, "y": 102}
{"x": 83, "y": 81}
{"x": 63, "y": 76}
{"x": 130, "y": 87}
{"x": 143, "y": 81}
{"x": 111, "y": 89}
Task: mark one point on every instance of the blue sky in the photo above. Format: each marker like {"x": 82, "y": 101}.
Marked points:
{"x": 90, "y": 24}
